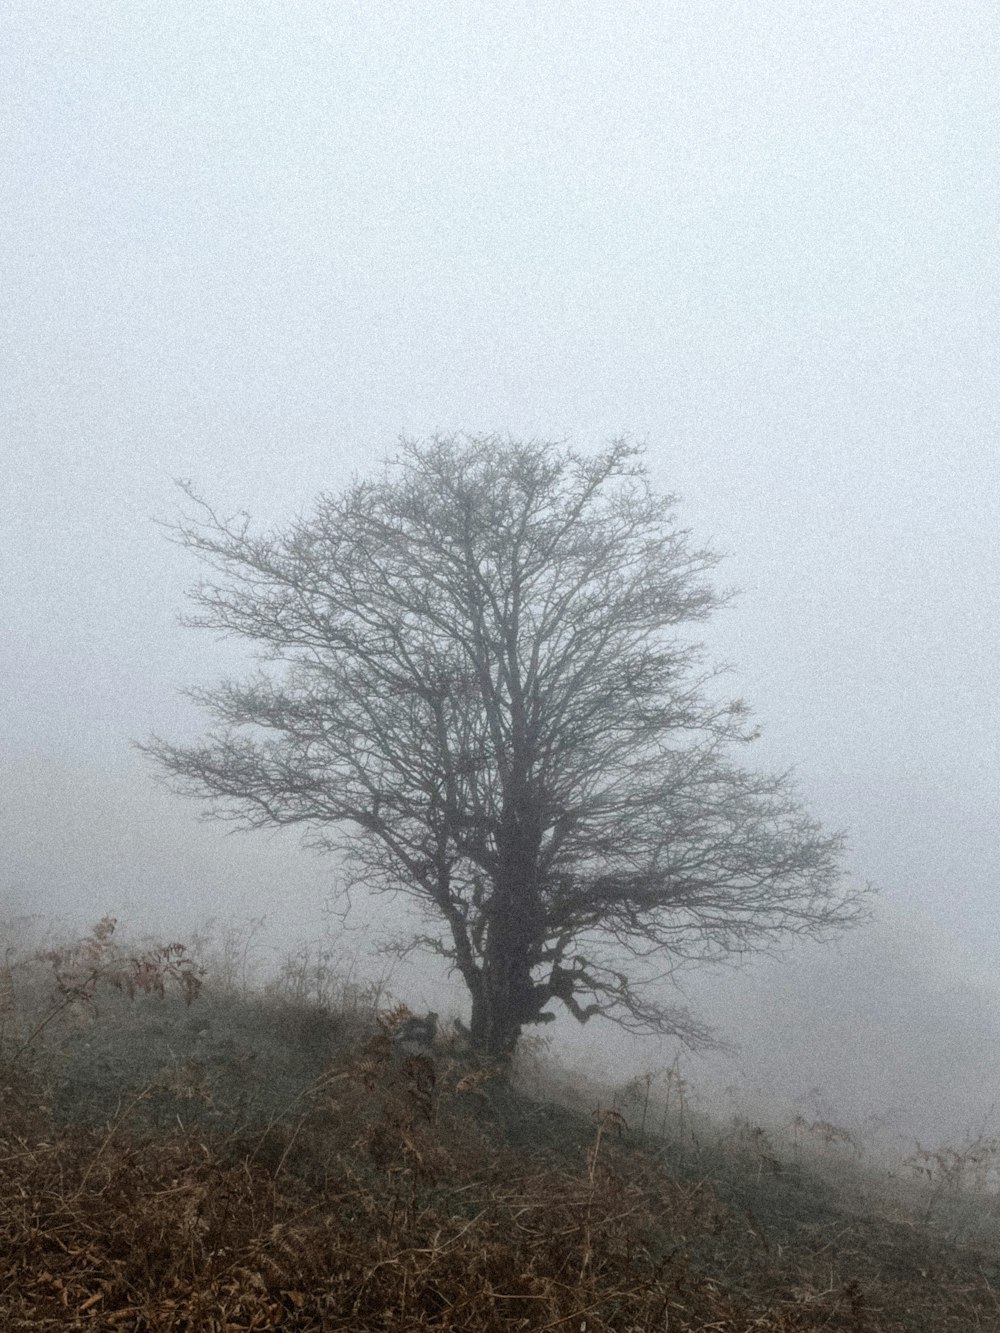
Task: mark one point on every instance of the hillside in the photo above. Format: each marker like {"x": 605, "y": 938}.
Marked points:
{"x": 178, "y": 1154}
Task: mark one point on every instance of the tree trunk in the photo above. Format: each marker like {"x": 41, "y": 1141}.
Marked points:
{"x": 494, "y": 1031}
{"x": 507, "y": 997}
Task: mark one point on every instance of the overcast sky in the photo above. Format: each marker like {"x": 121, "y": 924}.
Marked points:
{"x": 252, "y": 243}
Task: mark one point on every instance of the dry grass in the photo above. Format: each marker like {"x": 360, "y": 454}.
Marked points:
{"x": 395, "y": 1192}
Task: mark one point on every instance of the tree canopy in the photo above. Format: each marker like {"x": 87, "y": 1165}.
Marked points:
{"x": 475, "y": 685}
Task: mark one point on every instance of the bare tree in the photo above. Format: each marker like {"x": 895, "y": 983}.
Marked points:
{"x": 473, "y": 686}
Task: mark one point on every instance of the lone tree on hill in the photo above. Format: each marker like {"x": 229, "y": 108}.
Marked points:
{"x": 477, "y": 692}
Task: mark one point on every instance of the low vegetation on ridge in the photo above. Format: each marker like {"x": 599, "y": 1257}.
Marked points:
{"x": 179, "y": 1153}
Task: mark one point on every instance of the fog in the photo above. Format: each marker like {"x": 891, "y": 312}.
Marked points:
{"x": 253, "y": 244}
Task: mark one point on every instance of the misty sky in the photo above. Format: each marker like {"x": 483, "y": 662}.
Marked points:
{"x": 252, "y": 243}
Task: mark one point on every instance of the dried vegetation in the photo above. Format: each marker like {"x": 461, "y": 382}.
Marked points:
{"x": 182, "y": 1156}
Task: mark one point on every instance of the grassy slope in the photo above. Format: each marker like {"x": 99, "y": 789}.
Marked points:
{"x": 251, "y": 1162}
